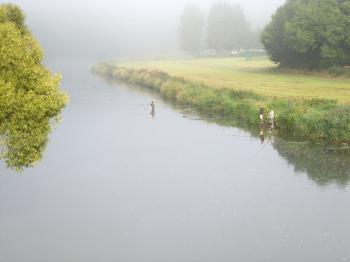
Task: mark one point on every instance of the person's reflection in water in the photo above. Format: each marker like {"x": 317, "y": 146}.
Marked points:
{"x": 261, "y": 134}
{"x": 271, "y": 117}
{"x": 272, "y": 138}
{"x": 153, "y": 112}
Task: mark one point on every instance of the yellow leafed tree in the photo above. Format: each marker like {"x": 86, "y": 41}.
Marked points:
{"x": 30, "y": 96}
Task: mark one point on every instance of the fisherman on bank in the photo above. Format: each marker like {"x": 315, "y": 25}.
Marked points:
{"x": 261, "y": 113}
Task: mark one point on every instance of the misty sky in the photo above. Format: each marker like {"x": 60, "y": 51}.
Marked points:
{"x": 120, "y": 28}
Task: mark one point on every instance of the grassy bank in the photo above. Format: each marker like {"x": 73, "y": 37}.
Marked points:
{"x": 258, "y": 75}
{"x": 315, "y": 119}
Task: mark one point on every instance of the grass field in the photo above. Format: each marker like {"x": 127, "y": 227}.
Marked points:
{"x": 258, "y": 75}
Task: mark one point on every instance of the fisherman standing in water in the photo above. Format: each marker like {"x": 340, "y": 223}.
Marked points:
{"x": 261, "y": 114}
{"x": 153, "y": 112}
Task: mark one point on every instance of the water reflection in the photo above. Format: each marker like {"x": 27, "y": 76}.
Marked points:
{"x": 262, "y": 133}
{"x": 323, "y": 165}
{"x": 153, "y": 111}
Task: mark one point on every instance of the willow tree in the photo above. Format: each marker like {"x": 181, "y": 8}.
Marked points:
{"x": 30, "y": 97}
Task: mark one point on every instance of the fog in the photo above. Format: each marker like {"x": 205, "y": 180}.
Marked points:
{"x": 110, "y": 29}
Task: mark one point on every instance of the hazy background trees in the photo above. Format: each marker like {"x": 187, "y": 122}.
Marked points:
{"x": 87, "y": 31}
{"x": 310, "y": 33}
{"x": 227, "y": 28}
{"x": 224, "y": 29}
{"x": 191, "y": 29}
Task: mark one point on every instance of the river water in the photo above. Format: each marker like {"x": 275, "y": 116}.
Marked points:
{"x": 117, "y": 184}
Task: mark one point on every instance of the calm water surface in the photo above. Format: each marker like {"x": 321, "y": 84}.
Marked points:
{"x": 116, "y": 184}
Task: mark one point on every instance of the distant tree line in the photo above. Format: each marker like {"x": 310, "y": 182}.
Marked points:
{"x": 312, "y": 34}
{"x": 223, "y": 30}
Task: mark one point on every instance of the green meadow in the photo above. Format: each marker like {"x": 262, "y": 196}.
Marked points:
{"x": 258, "y": 75}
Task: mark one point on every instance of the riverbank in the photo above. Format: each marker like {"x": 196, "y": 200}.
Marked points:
{"x": 314, "y": 119}
{"x": 258, "y": 75}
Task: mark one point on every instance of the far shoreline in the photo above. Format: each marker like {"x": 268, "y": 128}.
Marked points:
{"x": 316, "y": 120}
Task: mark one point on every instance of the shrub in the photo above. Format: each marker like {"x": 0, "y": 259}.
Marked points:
{"x": 337, "y": 70}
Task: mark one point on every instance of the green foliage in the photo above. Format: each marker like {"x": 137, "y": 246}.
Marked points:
{"x": 29, "y": 94}
{"x": 191, "y": 29}
{"x": 227, "y": 28}
{"x": 310, "y": 33}
{"x": 10, "y": 13}
{"x": 323, "y": 165}
{"x": 313, "y": 119}
{"x": 338, "y": 71}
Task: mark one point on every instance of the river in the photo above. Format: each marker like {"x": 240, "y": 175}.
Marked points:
{"x": 117, "y": 184}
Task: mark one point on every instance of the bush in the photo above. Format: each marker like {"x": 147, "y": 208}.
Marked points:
{"x": 337, "y": 70}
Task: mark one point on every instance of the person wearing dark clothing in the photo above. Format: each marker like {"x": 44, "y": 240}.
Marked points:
{"x": 261, "y": 113}
{"x": 153, "y": 112}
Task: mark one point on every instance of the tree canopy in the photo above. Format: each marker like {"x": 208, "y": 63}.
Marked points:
{"x": 29, "y": 94}
{"x": 310, "y": 33}
{"x": 227, "y": 28}
{"x": 191, "y": 29}
{"x": 12, "y": 13}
